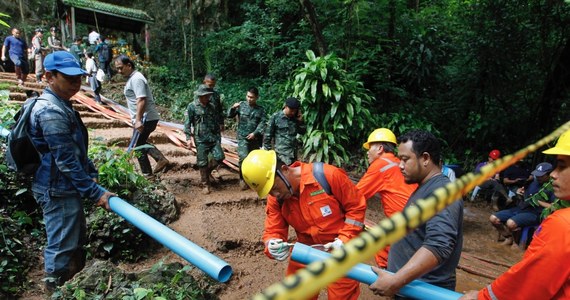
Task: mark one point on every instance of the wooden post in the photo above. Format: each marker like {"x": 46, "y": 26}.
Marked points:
{"x": 146, "y": 42}
{"x": 73, "y": 33}
{"x": 63, "y": 31}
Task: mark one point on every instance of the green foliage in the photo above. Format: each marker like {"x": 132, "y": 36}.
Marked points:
{"x": 15, "y": 255}
{"x": 556, "y": 205}
{"x": 335, "y": 108}
{"x": 116, "y": 170}
{"x": 161, "y": 282}
{"x": 2, "y": 22}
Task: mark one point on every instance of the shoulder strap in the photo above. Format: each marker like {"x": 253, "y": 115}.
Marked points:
{"x": 319, "y": 174}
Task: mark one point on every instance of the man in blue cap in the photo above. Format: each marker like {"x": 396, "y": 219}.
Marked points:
{"x": 65, "y": 175}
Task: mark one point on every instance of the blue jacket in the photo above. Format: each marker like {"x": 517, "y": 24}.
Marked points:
{"x": 62, "y": 139}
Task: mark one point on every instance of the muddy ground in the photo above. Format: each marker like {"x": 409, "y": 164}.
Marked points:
{"x": 229, "y": 223}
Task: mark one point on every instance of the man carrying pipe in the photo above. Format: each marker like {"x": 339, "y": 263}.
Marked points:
{"x": 544, "y": 269}
{"x": 383, "y": 177}
{"x": 65, "y": 175}
{"x": 431, "y": 252}
{"x": 296, "y": 198}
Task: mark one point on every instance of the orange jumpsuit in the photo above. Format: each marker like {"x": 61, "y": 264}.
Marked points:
{"x": 385, "y": 178}
{"x": 544, "y": 271}
{"x": 318, "y": 218}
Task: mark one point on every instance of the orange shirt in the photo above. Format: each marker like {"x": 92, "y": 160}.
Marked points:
{"x": 384, "y": 177}
{"x": 318, "y": 218}
{"x": 544, "y": 271}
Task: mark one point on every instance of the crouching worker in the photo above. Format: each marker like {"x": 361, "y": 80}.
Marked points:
{"x": 297, "y": 199}
{"x": 65, "y": 175}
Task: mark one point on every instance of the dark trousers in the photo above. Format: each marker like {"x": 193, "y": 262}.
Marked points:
{"x": 144, "y": 162}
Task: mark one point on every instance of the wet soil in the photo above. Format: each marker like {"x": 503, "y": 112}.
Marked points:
{"x": 229, "y": 223}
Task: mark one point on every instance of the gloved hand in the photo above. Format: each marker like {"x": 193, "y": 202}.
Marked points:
{"x": 278, "y": 249}
{"x": 333, "y": 245}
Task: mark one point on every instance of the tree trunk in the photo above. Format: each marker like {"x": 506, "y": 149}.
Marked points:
{"x": 554, "y": 91}
{"x": 315, "y": 26}
{"x": 25, "y": 36}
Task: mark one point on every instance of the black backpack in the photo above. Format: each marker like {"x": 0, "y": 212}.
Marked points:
{"x": 22, "y": 156}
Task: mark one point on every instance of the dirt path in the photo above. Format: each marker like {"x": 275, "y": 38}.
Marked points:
{"x": 229, "y": 222}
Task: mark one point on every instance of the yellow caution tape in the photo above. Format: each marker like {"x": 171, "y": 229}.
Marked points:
{"x": 309, "y": 281}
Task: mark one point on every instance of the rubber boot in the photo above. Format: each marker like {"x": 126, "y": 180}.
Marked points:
{"x": 213, "y": 171}
{"x": 205, "y": 180}
{"x": 161, "y": 161}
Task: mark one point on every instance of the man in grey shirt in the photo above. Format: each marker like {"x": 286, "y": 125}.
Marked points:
{"x": 143, "y": 113}
{"x": 431, "y": 252}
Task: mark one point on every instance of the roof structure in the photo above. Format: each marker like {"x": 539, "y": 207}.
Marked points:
{"x": 106, "y": 15}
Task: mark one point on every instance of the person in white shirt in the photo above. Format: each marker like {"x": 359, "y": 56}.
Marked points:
{"x": 91, "y": 69}
{"x": 93, "y": 36}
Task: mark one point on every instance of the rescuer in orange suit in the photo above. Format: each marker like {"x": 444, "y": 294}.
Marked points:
{"x": 297, "y": 199}
{"x": 385, "y": 178}
{"x": 544, "y": 271}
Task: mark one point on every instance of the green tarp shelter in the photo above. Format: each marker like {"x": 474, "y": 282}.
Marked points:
{"x": 100, "y": 14}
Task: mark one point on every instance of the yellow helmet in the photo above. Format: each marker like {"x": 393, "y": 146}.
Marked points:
{"x": 380, "y": 135}
{"x": 258, "y": 170}
{"x": 562, "y": 146}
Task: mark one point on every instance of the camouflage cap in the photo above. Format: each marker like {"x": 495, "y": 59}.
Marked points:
{"x": 203, "y": 90}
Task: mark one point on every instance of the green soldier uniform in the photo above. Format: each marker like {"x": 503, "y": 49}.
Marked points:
{"x": 216, "y": 100}
{"x": 202, "y": 125}
{"x": 284, "y": 131}
{"x": 251, "y": 120}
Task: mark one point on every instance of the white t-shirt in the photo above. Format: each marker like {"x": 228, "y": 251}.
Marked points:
{"x": 90, "y": 66}
{"x": 93, "y": 37}
{"x": 137, "y": 87}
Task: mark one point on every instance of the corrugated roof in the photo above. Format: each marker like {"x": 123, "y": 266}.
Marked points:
{"x": 110, "y": 9}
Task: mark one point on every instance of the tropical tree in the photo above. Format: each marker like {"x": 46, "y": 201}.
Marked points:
{"x": 335, "y": 107}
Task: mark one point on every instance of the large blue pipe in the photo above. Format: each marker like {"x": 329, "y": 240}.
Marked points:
{"x": 363, "y": 273}
{"x": 202, "y": 259}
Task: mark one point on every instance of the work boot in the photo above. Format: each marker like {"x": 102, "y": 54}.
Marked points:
{"x": 213, "y": 172}
{"x": 205, "y": 180}
{"x": 161, "y": 161}
{"x": 242, "y": 185}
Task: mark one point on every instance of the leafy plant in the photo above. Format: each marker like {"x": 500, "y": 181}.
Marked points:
{"x": 16, "y": 257}
{"x": 2, "y": 22}
{"x": 335, "y": 107}
{"x": 162, "y": 281}
{"x": 116, "y": 170}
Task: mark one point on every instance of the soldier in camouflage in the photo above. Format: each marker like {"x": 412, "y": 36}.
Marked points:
{"x": 202, "y": 130}
{"x": 251, "y": 123}
{"x": 216, "y": 98}
{"x": 282, "y": 130}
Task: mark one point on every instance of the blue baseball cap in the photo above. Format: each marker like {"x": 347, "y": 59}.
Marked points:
{"x": 64, "y": 62}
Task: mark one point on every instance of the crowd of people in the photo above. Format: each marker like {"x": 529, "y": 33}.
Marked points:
{"x": 23, "y": 54}
{"x": 318, "y": 201}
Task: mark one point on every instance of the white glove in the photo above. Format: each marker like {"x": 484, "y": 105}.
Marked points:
{"x": 278, "y": 249}
{"x": 333, "y": 245}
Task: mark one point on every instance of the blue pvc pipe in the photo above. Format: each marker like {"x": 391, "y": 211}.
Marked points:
{"x": 363, "y": 273}
{"x": 202, "y": 259}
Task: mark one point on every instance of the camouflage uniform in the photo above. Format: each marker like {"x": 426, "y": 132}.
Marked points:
{"x": 284, "y": 130}
{"x": 216, "y": 100}
{"x": 251, "y": 120}
{"x": 207, "y": 136}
